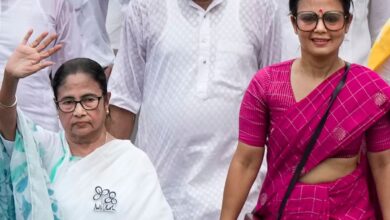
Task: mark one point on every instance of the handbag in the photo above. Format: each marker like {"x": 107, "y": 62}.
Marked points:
{"x": 308, "y": 149}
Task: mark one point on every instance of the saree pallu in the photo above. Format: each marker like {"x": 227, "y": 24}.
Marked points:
{"x": 362, "y": 102}
{"x": 25, "y": 191}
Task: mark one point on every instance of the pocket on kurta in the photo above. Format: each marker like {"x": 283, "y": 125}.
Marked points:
{"x": 232, "y": 62}
{"x": 307, "y": 202}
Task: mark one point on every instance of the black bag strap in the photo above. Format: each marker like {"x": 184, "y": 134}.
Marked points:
{"x": 311, "y": 143}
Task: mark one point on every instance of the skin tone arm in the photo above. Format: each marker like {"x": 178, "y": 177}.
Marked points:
{"x": 25, "y": 60}
{"x": 242, "y": 173}
{"x": 380, "y": 167}
{"x": 121, "y": 122}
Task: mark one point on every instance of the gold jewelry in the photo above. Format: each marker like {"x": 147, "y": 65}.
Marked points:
{"x": 9, "y": 106}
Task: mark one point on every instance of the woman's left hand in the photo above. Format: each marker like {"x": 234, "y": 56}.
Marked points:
{"x": 30, "y": 58}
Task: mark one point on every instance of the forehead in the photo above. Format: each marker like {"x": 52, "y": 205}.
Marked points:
{"x": 77, "y": 85}
{"x": 317, "y": 5}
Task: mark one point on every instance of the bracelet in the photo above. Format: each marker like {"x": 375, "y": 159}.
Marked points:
{"x": 9, "y": 106}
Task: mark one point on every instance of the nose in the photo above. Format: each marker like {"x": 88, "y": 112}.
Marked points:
{"x": 78, "y": 110}
{"x": 320, "y": 27}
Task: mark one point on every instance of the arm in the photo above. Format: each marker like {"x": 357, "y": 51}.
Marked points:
{"x": 242, "y": 173}
{"x": 380, "y": 167}
{"x": 127, "y": 78}
{"x": 121, "y": 122}
{"x": 245, "y": 165}
{"x": 26, "y": 60}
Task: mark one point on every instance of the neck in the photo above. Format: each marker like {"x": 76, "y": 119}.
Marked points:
{"x": 319, "y": 67}
{"x": 84, "y": 145}
{"x": 203, "y": 3}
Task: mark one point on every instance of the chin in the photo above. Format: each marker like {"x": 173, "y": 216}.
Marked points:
{"x": 81, "y": 132}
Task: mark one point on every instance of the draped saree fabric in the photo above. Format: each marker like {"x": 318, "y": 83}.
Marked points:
{"x": 361, "y": 104}
{"x": 42, "y": 180}
{"x": 25, "y": 191}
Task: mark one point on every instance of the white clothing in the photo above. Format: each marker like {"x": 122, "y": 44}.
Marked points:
{"x": 91, "y": 18}
{"x": 35, "y": 96}
{"x": 116, "y": 181}
{"x": 368, "y": 18}
{"x": 384, "y": 70}
{"x": 184, "y": 70}
{"x": 115, "y": 14}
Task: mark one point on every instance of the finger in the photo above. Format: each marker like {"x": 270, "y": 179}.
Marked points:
{"x": 39, "y": 66}
{"x": 45, "y": 54}
{"x": 39, "y": 39}
{"x": 27, "y": 36}
{"x": 46, "y": 42}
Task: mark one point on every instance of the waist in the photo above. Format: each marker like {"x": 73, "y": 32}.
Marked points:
{"x": 330, "y": 170}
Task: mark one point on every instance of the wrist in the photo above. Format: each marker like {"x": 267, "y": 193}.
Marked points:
{"x": 8, "y": 103}
{"x": 9, "y": 76}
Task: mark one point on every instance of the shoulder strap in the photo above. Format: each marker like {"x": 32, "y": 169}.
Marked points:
{"x": 311, "y": 143}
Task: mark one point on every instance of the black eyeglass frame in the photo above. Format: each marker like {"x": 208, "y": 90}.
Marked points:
{"x": 79, "y": 102}
{"x": 345, "y": 16}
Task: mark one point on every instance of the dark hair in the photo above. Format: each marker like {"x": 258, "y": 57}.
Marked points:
{"x": 80, "y": 65}
{"x": 293, "y": 5}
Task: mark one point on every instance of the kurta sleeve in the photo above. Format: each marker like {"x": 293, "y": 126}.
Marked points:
{"x": 126, "y": 80}
{"x": 68, "y": 34}
{"x": 253, "y": 122}
{"x": 378, "y": 135}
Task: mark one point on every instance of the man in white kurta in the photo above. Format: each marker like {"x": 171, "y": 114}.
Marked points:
{"x": 35, "y": 96}
{"x": 368, "y": 18}
{"x": 183, "y": 70}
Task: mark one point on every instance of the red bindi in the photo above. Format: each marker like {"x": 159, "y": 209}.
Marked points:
{"x": 321, "y": 10}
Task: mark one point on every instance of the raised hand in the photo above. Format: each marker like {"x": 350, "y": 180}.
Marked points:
{"x": 30, "y": 58}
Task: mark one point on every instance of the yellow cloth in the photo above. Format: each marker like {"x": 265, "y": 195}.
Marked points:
{"x": 380, "y": 51}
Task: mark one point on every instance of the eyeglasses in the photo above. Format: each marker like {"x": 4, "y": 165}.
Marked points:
{"x": 332, "y": 20}
{"x": 69, "y": 104}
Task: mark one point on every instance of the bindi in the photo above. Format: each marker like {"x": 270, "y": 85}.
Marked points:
{"x": 321, "y": 11}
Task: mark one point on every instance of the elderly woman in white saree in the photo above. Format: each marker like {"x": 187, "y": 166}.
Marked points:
{"x": 82, "y": 172}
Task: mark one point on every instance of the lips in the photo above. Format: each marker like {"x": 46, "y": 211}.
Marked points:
{"x": 80, "y": 123}
{"x": 320, "y": 41}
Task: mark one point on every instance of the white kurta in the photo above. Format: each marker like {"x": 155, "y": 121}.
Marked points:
{"x": 184, "y": 70}
{"x": 368, "y": 18}
{"x": 91, "y": 18}
{"x": 35, "y": 96}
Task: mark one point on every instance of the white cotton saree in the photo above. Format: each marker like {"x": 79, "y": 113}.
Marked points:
{"x": 116, "y": 181}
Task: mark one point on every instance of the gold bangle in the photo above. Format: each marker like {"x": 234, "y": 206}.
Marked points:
{"x": 9, "y": 106}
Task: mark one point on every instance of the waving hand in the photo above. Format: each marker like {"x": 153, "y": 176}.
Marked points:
{"x": 30, "y": 58}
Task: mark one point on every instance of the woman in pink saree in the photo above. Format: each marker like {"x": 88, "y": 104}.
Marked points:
{"x": 347, "y": 174}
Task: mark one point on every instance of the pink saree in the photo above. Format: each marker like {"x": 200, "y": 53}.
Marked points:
{"x": 361, "y": 103}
